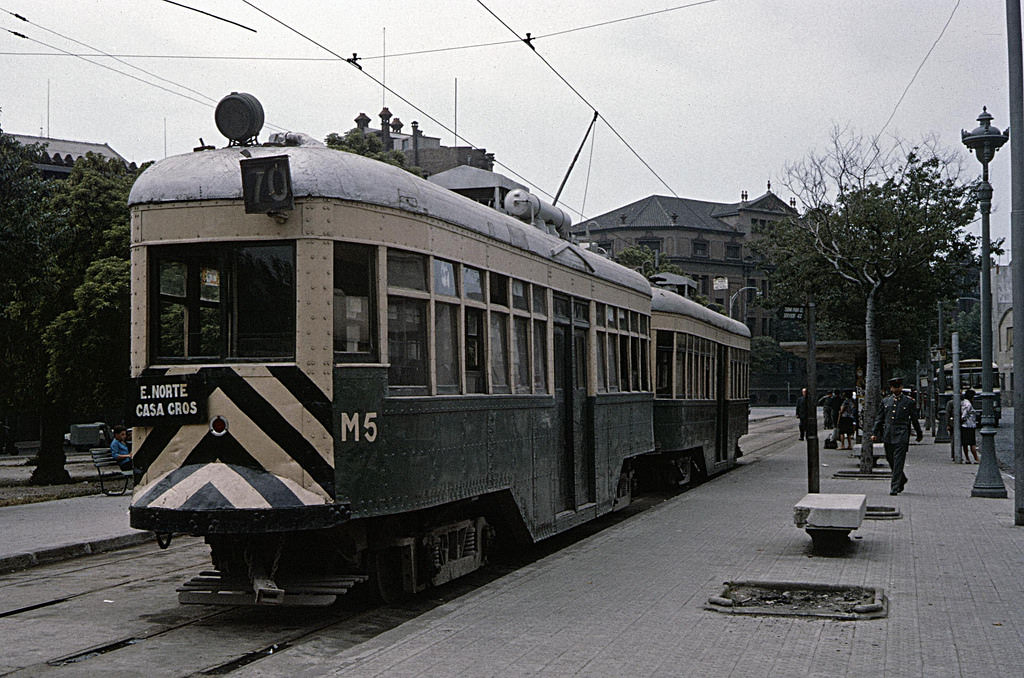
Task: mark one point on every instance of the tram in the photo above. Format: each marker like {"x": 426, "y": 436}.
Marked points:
{"x": 344, "y": 373}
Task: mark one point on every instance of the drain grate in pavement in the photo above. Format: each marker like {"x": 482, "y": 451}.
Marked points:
{"x": 882, "y": 513}
{"x": 792, "y": 599}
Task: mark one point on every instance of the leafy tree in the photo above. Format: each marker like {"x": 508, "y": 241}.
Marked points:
{"x": 87, "y": 331}
{"x": 644, "y": 260}
{"x": 879, "y": 239}
{"x": 369, "y": 145}
{"x": 24, "y": 239}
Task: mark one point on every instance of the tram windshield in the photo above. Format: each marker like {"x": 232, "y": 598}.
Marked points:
{"x": 223, "y": 301}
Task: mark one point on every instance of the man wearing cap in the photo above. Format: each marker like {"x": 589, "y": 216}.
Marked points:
{"x": 892, "y": 425}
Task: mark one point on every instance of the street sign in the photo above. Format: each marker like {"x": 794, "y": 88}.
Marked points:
{"x": 792, "y": 312}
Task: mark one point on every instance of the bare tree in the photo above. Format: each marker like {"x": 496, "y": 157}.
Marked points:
{"x": 875, "y": 222}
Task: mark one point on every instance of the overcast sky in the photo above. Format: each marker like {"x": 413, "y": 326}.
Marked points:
{"x": 716, "y": 97}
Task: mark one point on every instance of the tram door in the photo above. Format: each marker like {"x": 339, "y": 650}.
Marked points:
{"x": 564, "y": 462}
{"x": 574, "y": 485}
{"x": 722, "y": 404}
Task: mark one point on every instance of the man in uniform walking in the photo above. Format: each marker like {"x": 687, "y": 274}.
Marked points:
{"x": 892, "y": 425}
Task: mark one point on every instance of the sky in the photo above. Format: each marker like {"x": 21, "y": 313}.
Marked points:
{"x": 703, "y": 100}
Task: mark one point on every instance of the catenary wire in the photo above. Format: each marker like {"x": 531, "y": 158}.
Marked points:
{"x": 212, "y": 16}
{"x": 433, "y": 50}
{"x": 914, "y": 77}
{"x": 209, "y": 102}
{"x": 106, "y": 54}
{"x": 391, "y": 91}
{"x": 527, "y": 40}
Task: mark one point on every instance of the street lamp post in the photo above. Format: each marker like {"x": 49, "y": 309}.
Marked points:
{"x": 735, "y": 294}
{"x": 984, "y": 141}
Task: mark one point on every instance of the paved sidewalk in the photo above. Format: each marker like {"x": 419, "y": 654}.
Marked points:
{"x": 46, "y": 531}
{"x": 629, "y": 600}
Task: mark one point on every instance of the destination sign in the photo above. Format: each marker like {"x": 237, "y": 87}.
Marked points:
{"x": 165, "y": 399}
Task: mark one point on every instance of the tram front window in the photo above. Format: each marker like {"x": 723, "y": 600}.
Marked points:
{"x": 226, "y": 301}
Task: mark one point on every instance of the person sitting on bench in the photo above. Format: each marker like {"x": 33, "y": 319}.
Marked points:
{"x": 119, "y": 449}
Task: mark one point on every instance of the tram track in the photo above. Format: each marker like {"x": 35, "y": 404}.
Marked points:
{"x": 195, "y": 641}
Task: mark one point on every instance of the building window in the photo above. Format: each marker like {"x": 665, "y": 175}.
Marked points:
{"x": 653, "y": 245}
{"x": 700, "y": 248}
{"x": 732, "y": 251}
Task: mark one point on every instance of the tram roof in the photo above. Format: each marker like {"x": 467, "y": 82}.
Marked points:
{"x": 666, "y": 301}
{"x": 321, "y": 172}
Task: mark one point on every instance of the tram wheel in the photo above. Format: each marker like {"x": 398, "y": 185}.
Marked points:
{"x": 387, "y": 569}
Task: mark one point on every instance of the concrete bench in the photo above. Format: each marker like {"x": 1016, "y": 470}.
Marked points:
{"x": 829, "y": 518}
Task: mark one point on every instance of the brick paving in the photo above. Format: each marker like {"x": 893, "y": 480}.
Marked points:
{"x": 628, "y": 601}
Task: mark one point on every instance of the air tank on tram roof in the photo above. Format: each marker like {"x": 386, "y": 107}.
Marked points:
{"x": 524, "y": 205}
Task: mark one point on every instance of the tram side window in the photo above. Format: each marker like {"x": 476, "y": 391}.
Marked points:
{"x": 521, "y": 351}
{"x": 499, "y": 352}
{"x": 663, "y": 365}
{"x": 446, "y": 342}
{"x": 354, "y": 313}
{"x": 602, "y": 357}
{"x": 407, "y": 270}
{"x": 407, "y": 342}
{"x": 613, "y": 363}
{"x": 223, "y": 301}
{"x": 540, "y": 356}
{"x": 475, "y": 382}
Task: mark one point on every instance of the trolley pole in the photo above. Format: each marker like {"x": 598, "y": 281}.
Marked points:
{"x": 811, "y": 405}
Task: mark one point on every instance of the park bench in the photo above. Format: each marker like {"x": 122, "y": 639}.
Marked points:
{"x": 109, "y": 471}
{"x": 829, "y": 518}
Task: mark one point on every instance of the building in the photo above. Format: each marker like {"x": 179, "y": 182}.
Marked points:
{"x": 59, "y": 155}
{"x": 420, "y": 150}
{"x": 710, "y": 241}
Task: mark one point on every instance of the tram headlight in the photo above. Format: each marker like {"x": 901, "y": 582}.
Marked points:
{"x": 218, "y": 426}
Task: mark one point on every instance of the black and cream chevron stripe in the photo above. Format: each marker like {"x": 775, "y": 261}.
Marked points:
{"x": 265, "y": 434}
{"x": 218, "y": 486}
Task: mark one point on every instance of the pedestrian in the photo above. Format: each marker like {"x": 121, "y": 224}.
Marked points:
{"x": 826, "y": 409}
{"x": 968, "y": 427}
{"x": 801, "y": 411}
{"x": 892, "y": 426}
{"x": 847, "y": 421}
{"x": 950, "y": 422}
{"x": 119, "y": 449}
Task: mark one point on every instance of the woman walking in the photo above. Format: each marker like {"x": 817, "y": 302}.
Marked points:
{"x": 968, "y": 424}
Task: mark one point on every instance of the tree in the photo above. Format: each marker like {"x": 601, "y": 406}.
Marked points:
{"x": 86, "y": 333}
{"x": 880, "y": 234}
{"x": 25, "y": 276}
{"x": 645, "y": 261}
{"x": 369, "y": 145}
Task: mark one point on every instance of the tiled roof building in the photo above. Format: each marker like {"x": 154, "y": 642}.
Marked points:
{"x": 59, "y": 155}
{"x": 708, "y": 240}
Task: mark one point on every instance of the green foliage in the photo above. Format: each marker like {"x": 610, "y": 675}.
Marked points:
{"x": 766, "y": 356}
{"x": 64, "y": 281}
{"x": 644, "y": 260}
{"x": 369, "y": 145}
{"x": 902, "y": 237}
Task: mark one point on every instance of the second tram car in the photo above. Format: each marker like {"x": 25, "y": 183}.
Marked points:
{"x": 373, "y": 377}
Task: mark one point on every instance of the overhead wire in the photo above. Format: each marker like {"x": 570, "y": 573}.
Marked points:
{"x": 106, "y": 54}
{"x": 391, "y": 91}
{"x": 528, "y": 41}
{"x": 913, "y": 78}
{"x": 207, "y": 101}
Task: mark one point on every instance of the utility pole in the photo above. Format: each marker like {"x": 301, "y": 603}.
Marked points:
{"x": 811, "y": 405}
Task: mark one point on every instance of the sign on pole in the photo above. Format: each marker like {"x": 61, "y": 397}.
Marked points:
{"x": 792, "y": 312}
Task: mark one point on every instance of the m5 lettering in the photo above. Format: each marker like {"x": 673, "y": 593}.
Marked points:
{"x": 350, "y": 426}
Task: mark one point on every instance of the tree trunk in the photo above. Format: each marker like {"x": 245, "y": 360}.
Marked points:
{"x": 50, "y": 461}
{"x": 872, "y": 381}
